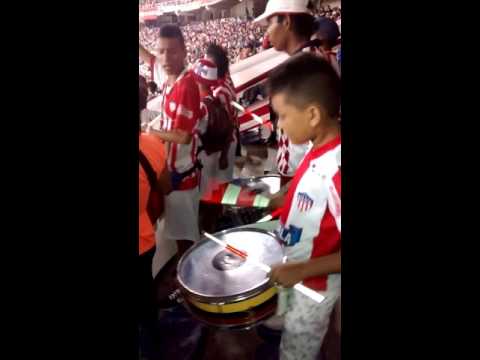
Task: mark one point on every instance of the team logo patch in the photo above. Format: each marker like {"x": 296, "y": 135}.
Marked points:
{"x": 290, "y": 235}
{"x": 304, "y": 202}
{"x": 173, "y": 106}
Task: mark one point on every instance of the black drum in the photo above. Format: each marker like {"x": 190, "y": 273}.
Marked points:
{"x": 220, "y": 288}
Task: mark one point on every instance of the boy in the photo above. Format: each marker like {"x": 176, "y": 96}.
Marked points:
{"x": 180, "y": 115}
{"x": 305, "y": 93}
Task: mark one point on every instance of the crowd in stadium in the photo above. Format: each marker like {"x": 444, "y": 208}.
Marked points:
{"x": 149, "y": 3}
{"x": 233, "y": 34}
{"x": 240, "y": 37}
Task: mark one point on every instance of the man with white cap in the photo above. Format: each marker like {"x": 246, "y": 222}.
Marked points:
{"x": 289, "y": 29}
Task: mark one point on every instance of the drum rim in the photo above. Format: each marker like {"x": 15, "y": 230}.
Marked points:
{"x": 219, "y": 300}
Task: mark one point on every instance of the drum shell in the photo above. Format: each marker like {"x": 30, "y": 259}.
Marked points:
{"x": 255, "y": 294}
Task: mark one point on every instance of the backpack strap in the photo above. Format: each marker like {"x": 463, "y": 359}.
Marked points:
{"x": 151, "y": 175}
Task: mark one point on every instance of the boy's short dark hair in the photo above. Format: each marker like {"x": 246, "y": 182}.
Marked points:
{"x": 302, "y": 24}
{"x": 220, "y": 58}
{"x": 172, "y": 31}
{"x": 305, "y": 79}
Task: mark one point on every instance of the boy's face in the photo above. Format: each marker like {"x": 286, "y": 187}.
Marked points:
{"x": 297, "y": 123}
{"x": 171, "y": 55}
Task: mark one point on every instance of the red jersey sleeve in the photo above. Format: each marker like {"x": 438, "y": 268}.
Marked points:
{"x": 188, "y": 110}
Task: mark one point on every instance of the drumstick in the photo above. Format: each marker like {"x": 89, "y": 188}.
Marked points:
{"x": 242, "y": 109}
{"x": 276, "y": 213}
{"x": 150, "y": 124}
{"x": 299, "y": 287}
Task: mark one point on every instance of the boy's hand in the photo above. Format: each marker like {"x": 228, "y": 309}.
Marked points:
{"x": 287, "y": 275}
{"x": 276, "y": 201}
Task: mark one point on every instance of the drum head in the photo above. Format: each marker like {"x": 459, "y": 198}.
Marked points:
{"x": 209, "y": 273}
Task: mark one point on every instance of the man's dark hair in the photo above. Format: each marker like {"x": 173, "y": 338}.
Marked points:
{"x": 220, "y": 58}
{"x": 152, "y": 86}
{"x": 302, "y": 24}
{"x": 172, "y": 31}
{"x": 327, "y": 30}
{"x": 305, "y": 79}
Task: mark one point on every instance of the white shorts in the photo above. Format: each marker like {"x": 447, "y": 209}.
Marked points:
{"x": 306, "y": 322}
{"x": 181, "y": 215}
{"x": 211, "y": 170}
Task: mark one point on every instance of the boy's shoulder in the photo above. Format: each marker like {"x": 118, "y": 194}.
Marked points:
{"x": 326, "y": 163}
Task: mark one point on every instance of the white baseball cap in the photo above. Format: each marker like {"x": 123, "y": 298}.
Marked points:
{"x": 283, "y": 7}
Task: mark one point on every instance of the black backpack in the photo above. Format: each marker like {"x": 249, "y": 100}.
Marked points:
{"x": 220, "y": 128}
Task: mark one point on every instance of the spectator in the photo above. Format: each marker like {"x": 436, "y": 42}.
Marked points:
{"x": 225, "y": 92}
{"x": 152, "y": 173}
{"x": 181, "y": 112}
{"x": 290, "y": 26}
{"x": 146, "y": 115}
{"x": 327, "y": 32}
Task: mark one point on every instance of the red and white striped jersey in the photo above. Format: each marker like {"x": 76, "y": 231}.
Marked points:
{"x": 289, "y": 156}
{"x": 225, "y": 92}
{"x": 310, "y": 224}
{"x": 181, "y": 110}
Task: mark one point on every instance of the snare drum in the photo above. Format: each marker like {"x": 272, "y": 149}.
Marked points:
{"x": 221, "y": 288}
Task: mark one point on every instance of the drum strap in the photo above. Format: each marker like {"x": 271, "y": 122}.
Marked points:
{"x": 151, "y": 175}
{"x": 155, "y": 206}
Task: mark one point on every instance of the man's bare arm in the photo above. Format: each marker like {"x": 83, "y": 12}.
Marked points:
{"x": 175, "y": 136}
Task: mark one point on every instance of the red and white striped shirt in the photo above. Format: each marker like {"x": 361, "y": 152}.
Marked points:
{"x": 289, "y": 156}
{"x": 181, "y": 110}
{"x": 310, "y": 224}
{"x": 225, "y": 92}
